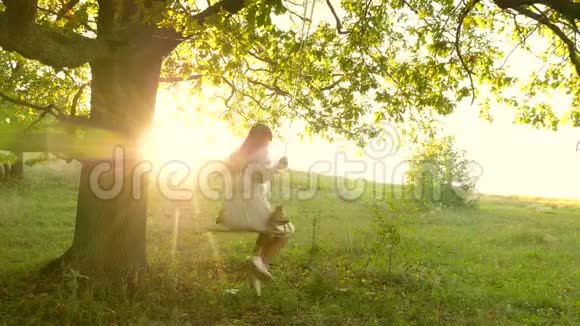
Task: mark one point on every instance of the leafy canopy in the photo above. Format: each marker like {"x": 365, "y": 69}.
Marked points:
{"x": 340, "y": 67}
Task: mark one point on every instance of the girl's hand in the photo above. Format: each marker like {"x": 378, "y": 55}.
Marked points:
{"x": 283, "y": 163}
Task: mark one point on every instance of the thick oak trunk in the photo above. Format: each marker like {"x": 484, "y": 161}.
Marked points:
{"x": 110, "y": 233}
{"x": 17, "y": 168}
{"x": 14, "y": 171}
{"x": 4, "y": 171}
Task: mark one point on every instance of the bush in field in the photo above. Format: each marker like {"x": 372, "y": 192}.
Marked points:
{"x": 440, "y": 174}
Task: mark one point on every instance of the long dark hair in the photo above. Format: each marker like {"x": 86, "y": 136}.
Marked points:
{"x": 258, "y": 137}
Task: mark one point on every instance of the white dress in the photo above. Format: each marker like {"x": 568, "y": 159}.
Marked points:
{"x": 248, "y": 209}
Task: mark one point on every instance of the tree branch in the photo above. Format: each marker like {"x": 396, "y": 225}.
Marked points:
{"x": 273, "y": 88}
{"x": 334, "y": 84}
{"x": 178, "y": 79}
{"x": 230, "y": 6}
{"x": 567, "y": 8}
{"x": 574, "y": 55}
{"x": 523, "y": 40}
{"x": 294, "y": 13}
{"x": 336, "y": 18}
{"x": 49, "y": 45}
{"x": 462, "y": 16}
{"x": 47, "y": 108}
{"x": 76, "y": 99}
{"x": 52, "y": 110}
{"x": 233, "y": 91}
{"x": 260, "y": 58}
{"x": 71, "y": 18}
{"x": 35, "y": 122}
{"x": 66, "y": 8}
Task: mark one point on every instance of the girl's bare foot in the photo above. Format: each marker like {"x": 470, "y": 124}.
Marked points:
{"x": 260, "y": 266}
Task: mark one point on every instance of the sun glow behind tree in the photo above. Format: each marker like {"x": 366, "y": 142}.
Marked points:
{"x": 187, "y": 129}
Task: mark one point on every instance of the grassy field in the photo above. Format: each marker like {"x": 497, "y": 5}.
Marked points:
{"x": 511, "y": 261}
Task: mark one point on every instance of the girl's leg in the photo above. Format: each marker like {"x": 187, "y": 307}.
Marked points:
{"x": 268, "y": 246}
{"x": 257, "y": 260}
{"x": 261, "y": 241}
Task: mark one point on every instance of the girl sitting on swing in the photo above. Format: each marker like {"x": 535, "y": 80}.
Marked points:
{"x": 247, "y": 209}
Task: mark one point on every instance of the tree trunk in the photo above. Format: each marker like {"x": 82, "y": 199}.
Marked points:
{"x": 3, "y": 172}
{"x": 17, "y": 168}
{"x": 109, "y": 234}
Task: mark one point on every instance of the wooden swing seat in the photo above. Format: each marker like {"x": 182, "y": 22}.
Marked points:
{"x": 224, "y": 228}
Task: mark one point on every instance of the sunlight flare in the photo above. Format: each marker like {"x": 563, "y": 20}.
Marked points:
{"x": 183, "y": 132}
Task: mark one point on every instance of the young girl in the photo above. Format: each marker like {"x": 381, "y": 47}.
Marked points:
{"x": 247, "y": 208}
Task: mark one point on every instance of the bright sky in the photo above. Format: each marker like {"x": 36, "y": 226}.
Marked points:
{"x": 518, "y": 159}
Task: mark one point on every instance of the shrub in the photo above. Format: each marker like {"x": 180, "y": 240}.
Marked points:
{"x": 439, "y": 174}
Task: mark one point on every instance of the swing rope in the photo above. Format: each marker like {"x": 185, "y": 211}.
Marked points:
{"x": 304, "y": 33}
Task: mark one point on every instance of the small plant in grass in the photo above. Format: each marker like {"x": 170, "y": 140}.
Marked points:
{"x": 314, "y": 248}
{"x": 388, "y": 222}
{"x": 441, "y": 175}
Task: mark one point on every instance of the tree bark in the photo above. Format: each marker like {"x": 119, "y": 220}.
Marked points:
{"x": 3, "y": 172}
{"x": 110, "y": 233}
{"x": 17, "y": 168}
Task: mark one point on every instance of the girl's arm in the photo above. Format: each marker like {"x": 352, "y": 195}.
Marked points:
{"x": 261, "y": 168}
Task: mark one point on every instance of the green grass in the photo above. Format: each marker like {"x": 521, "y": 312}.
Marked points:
{"x": 511, "y": 261}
